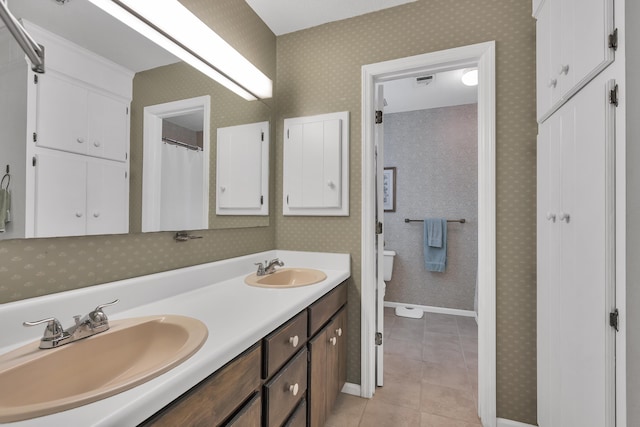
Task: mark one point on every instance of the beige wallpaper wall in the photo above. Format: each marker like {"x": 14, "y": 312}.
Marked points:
{"x": 35, "y": 267}
{"x": 435, "y": 153}
{"x": 319, "y": 71}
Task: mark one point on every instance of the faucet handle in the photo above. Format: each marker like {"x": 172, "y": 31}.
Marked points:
{"x": 260, "y": 271}
{"x": 53, "y": 329}
{"x": 97, "y": 317}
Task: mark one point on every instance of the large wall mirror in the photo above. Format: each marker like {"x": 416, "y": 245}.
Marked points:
{"x": 156, "y": 78}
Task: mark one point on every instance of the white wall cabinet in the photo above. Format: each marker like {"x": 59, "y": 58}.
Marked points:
{"x": 242, "y": 173}
{"x": 76, "y": 195}
{"x": 316, "y": 166}
{"x": 572, "y": 48}
{"x": 99, "y": 125}
{"x": 576, "y": 235}
{"x": 67, "y": 139}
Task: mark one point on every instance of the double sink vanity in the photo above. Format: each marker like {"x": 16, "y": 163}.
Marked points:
{"x": 213, "y": 344}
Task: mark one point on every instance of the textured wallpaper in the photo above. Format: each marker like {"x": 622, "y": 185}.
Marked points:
{"x": 36, "y": 267}
{"x": 435, "y": 153}
{"x": 319, "y": 71}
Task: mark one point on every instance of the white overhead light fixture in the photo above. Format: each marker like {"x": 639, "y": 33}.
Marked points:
{"x": 173, "y": 27}
{"x": 470, "y": 77}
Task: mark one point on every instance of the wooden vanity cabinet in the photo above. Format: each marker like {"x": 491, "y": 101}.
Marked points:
{"x": 229, "y": 391}
{"x": 328, "y": 354}
{"x": 283, "y": 380}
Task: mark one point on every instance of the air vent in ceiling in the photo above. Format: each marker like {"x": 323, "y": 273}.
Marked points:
{"x": 424, "y": 80}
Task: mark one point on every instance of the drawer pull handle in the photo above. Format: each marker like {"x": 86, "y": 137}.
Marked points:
{"x": 339, "y": 332}
{"x": 294, "y": 341}
{"x": 333, "y": 340}
{"x": 564, "y": 216}
{"x": 80, "y": 140}
{"x": 294, "y": 389}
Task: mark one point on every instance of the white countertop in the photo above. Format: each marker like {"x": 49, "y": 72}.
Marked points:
{"x": 236, "y": 315}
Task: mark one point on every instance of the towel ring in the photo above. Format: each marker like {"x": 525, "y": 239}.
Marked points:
{"x": 6, "y": 176}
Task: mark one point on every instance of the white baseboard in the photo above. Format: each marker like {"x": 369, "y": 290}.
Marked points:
{"x": 501, "y": 422}
{"x": 430, "y": 309}
{"x": 351, "y": 388}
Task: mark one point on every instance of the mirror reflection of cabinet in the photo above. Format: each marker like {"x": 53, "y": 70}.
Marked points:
{"x": 243, "y": 170}
{"x": 69, "y": 155}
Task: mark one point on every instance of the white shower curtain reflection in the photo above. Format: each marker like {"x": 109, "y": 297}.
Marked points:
{"x": 181, "y": 188}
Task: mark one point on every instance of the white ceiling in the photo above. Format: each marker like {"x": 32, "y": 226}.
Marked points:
{"x": 445, "y": 90}
{"x": 84, "y": 24}
{"x": 287, "y": 16}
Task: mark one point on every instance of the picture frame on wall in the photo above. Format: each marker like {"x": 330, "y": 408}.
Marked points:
{"x": 389, "y": 189}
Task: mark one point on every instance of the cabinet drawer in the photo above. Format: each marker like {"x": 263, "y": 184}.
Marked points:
{"x": 215, "y": 398}
{"x": 281, "y": 393}
{"x": 322, "y": 310}
{"x": 299, "y": 416}
{"x": 280, "y": 345}
{"x": 249, "y": 415}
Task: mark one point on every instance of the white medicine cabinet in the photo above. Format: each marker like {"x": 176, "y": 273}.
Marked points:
{"x": 242, "y": 171}
{"x": 316, "y": 165}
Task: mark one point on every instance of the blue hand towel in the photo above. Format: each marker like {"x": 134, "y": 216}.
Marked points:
{"x": 435, "y": 258}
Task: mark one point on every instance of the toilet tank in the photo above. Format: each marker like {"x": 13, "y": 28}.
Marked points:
{"x": 388, "y": 264}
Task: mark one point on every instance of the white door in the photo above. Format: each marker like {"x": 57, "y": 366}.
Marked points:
{"x": 380, "y": 285}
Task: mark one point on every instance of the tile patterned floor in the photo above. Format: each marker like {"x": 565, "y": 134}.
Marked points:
{"x": 431, "y": 376}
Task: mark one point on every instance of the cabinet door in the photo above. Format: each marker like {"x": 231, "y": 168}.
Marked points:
{"x": 318, "y": 379}
{"x": 108, "y": 130}
{"x": 585, "y": 52}
{"x": 60, "y": 195}
{"x": 576, "y": 254}
{"x": 107, "y": 198}
{"x": 61, "y": 114}
{"x": 336, "y": 358}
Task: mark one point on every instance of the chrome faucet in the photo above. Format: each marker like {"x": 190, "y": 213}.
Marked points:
{"x": 269, "y": 267}
{"x": 91, "y": 324}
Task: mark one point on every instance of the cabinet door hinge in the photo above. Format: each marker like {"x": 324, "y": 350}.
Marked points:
{"x": 613, "y": 96}
{"x": 127, "y": 111}
{"x": 614, "y": 319}
{"x": 378, "y": 117}
{"x": 261, "y": 200}
{"x": 35, "y": 137}
{"x": 287, "y": 133}
{"x": 287, "y": 200}
{"x": 33, "y": 161}
{"x": 262, "y": 136}
{"x": 378, "y": 338}
{"x": 35, "y": 79}
{"x": 613, "y": 40}
{"x": 378, "y": 227}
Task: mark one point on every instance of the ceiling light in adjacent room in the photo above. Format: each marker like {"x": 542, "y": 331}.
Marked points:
{"x": 470, "y": 77}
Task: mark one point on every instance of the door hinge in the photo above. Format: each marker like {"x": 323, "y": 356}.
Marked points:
{"x": 378, "y": 117}
{"x": 287, "y": 133}
{"x": 35, "y": 137}
{"x": 614, "y": 319}
{"x": 33, "y": 161}
{"x": 613, "y": 40}
{"x": 127, "y": 111}
{"x": 126, "y": 175}
{"x": 287, "y": 200}
{"x": 379, "y": 228}
{"x": 262, "y": 200}
{"x": 378, "y": 338}
{"x": 262, "y": 136}
{"x": 35, "y": 79}
{"x": 613, "y": 95}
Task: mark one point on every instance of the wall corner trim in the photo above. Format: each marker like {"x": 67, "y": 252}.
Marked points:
{"x": 502, "y": 422}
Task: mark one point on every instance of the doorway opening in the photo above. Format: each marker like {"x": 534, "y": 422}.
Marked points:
{"x": 175, "y": 182}
{"x": 482, "y": 57}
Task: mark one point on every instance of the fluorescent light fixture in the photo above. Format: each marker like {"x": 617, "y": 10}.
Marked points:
{"x": 173, "y": 27}
{"x": 470, "y": 77}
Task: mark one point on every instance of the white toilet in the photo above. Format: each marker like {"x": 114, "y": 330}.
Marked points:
{"x": 414, "y": 313}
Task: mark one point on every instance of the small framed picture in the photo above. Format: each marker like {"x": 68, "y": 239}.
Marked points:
{"x": 389, "y": 189}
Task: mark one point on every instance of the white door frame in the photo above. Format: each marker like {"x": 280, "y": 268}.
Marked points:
{"x": 481, "y": 55}
{"x": 151, "y": 170}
